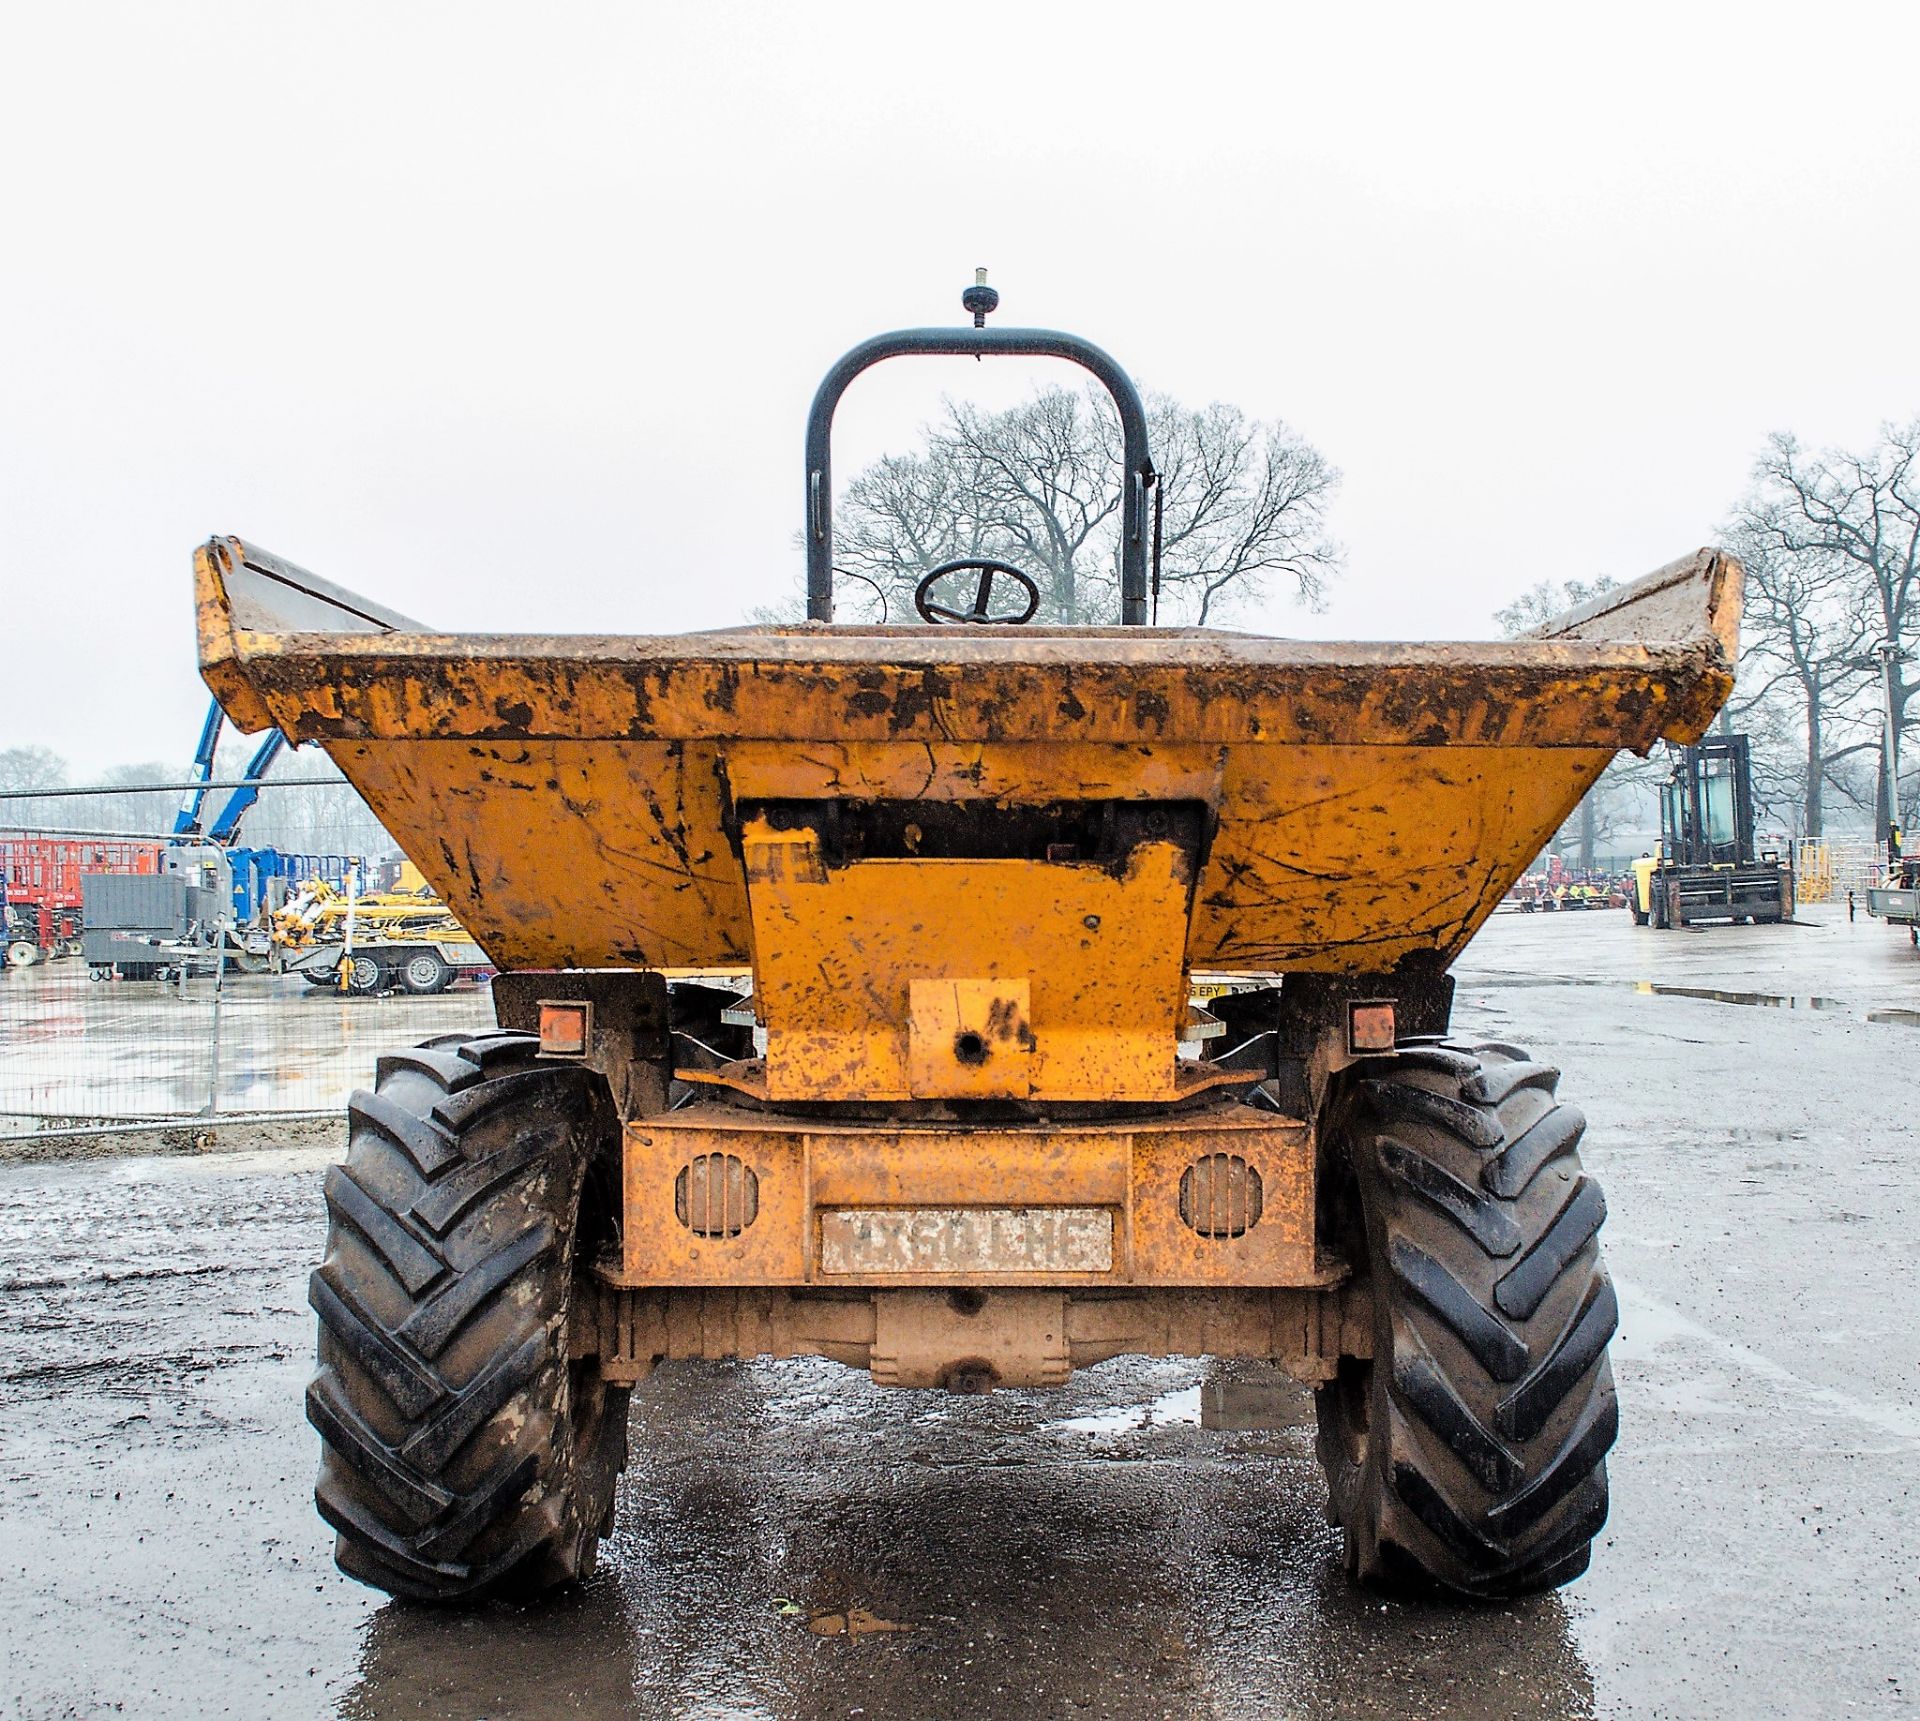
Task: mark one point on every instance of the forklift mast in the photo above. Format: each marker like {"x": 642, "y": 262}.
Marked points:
{"x": 1706, "y": 805}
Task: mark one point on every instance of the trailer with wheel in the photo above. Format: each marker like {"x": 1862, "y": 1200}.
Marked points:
{"x": 1897, "y": 902}
{"x": 413, "y": 962}
{"x": 964, "y": 1130}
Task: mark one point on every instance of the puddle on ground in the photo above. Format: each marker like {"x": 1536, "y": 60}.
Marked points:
{"x": 1765, "y": 1000}
{"x": 1182, "y": 1406}
{"x": 1648, "y": 1325}
{"x": 1711, "y": 994}
{"x": 1246, "y": 1406}
{"x": 855, "y": 1622}
{"x": 1229, "y": 1405}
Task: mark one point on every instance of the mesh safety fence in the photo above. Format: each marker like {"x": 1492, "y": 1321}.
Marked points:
{"x": 78, "y": 1052}
{"x": 1825, "y": 868}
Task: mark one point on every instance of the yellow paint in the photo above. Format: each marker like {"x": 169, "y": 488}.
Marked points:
{"x": 615, "y": 853}
{"x": 590, "y": 802}
{"x": 571, "y": 797}
{"x": 1643, "y": 870}
{"x": 1087, "y": 964}
{"x": 969, "y": 1039}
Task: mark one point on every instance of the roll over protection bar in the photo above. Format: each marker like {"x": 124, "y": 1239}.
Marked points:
{"x": 978, "y": 342}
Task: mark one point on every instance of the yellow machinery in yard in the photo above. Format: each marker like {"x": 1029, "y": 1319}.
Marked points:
{"x": 967, "y": 1130}
{"x": 404, "y": 939}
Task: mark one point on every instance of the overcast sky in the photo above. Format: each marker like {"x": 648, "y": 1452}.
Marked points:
{"x": 510, "y": 316}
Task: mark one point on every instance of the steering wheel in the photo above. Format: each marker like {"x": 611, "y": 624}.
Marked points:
{"x": 979, "y": 615}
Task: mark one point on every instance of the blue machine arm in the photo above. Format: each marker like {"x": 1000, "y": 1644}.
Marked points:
{"x": 186, "y": 822}
{"x": 227, "y": 823}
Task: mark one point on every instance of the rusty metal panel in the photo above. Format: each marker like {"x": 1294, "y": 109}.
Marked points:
{"x": 930, "y": 685}
{"x": 969, "y": 1039}
{"x": 809, "y": 1174}
{"x": 1277, "y": 1250}
{"x": 1093, "y": 962}
{"x": 561, "y": 855}
{"x": 998, "y": 772}
{"x": 572, "y": 796}
{"x": 1349, "y": 859}
{"x": 1325, "y": 858}
{"x": 995, "y": 1339}
{"x": 1000, "y": 1337}
{"x": 944, "y": 1167}
{"x": 657, "y": 1247}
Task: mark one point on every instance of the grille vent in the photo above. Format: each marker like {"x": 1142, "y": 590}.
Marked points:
{"x": 1221, "y": 1196}
{"x": 716, "y": 1195}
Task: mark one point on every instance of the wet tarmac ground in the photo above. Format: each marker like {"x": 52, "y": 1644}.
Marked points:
{"x": 1149, "y": 1541}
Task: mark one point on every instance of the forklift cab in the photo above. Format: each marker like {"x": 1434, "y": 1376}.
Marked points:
{"x": 1706, "y": 806}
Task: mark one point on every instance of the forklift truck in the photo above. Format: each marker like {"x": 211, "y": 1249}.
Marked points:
{"x": 1708, "y": 867}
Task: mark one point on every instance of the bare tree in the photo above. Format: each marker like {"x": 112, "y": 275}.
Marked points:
{"x": 1620, "y": 797}
{"x": 1862, "y": 513}
{"x": 306, "y": 806}
{"x": 1243, "y": 503}
{"x": 1777, "y": 761}
{"x": 1544, "y": 600}
{"x": 1044, "y": 484}
{"x": 1803, "y": 636}
{"x": 149, "y": 814}
{"x": 38, "y": 768}
{"x": 32, "y": 768}
{"x": 27, "y": 768}
{"x": 309, "y": 808}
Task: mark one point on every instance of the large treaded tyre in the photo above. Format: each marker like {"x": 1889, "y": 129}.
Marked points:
{"x": 1468, "y": 1455}
{"x": 464, "y": 1450}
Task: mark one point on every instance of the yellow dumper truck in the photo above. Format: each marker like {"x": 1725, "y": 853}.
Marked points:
{"x": 962, "y": 1132}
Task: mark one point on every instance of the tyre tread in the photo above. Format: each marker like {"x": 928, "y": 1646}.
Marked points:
{"x": 1482, "y": 1473}
{"x": 440, "y": 1396}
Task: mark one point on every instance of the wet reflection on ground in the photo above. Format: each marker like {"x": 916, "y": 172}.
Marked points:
{"x": 1049, "y": 1554}
{"x": 1897, "y": 1017}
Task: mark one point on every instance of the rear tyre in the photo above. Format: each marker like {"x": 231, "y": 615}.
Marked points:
{"x": 466, "y": 1448}
{"x": 1467, "y": 1455}
{"x": 425, "y": 972}
{"x": 22, "y": 954}
{"x": 365, "y": 976}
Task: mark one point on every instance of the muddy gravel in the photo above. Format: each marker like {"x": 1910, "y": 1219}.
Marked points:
{"x": 1148, "y": 1541}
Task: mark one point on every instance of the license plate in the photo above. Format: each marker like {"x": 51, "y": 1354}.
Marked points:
{"x": 955, "y": 1240}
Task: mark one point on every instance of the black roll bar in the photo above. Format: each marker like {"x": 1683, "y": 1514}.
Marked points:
{"x": 978, "y": 342}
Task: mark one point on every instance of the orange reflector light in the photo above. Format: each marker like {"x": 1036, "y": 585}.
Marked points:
{"x": 563, "y": 1029}
{"x": 1370, "y": 1027}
